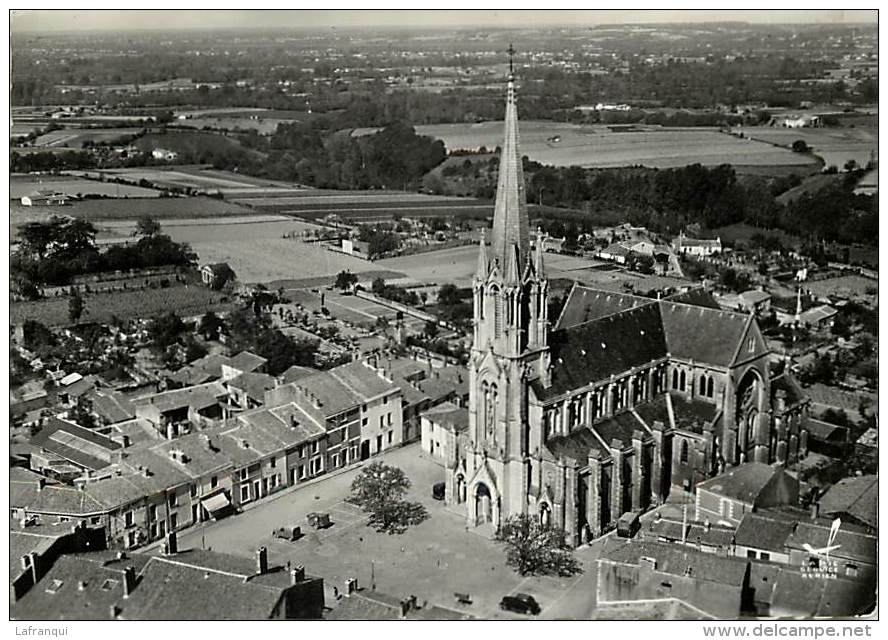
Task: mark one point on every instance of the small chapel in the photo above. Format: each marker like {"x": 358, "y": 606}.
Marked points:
{"x": 612, "y": 405}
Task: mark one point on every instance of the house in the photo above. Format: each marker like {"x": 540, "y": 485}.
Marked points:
{"x": 159, "y": 153}
{"x": 360, "y": 406}
{"x": 45, "y": 198}
{"x": 827, "y": 439}
{"x": 243, "y": 362}
{"x": 192, "y": 585}
{"x": 247, "y": 390}
{"x": 110, "y": 406}
{"x": 73, "y": 386}
{"x": 755, "y": 301}
{"x": 702, "y": 536}
{"x": 630, "y": 570}
{"x": 763, "y": 536}
{"x": 725, "y": 498}
{"x": 179, "y": 410}
{"x": 374, "y": 605}
{"x": 294, "y": 373}
{"x": 697, "y": 247}
{"x": 442, "y": 430}
{"x": 819, "y": 317}
{"x": 216, "y": 275}
{"x": 617, "y": 252}
{"x": 853, "y": 499}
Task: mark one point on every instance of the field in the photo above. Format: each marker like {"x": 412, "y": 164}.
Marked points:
{"x": 853, "y": 287}
{"x": 23, "y": 185}
{"x": 192, "y": 143}
{"x": 562, "y": 144}
{"x": 199, "y": 177}
{"x": 74, "y": 138}
{"x": 835, "y": 145}
{"x": 185, "y": 300}
{"x": 128, "y": 209}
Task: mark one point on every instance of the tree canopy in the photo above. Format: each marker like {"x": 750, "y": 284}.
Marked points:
{"x": 532, "y": 549}
{"x": 379, "y": 490}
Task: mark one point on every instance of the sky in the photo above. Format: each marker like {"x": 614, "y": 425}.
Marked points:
{"x": 90, "y": 20}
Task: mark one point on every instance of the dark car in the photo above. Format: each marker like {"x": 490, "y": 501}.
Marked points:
{"x": 520, "y": 603}
{"x": 438, "y": 490}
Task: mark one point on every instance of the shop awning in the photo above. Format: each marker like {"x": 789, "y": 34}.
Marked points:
{"x": 215, "y": 504}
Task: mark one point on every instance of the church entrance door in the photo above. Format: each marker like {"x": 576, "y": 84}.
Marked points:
{"x": 482, "y": 504}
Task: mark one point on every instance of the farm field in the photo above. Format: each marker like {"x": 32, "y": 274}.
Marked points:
{"x": 23, "y": 185}
{"x": 851, "y": 286}
{"x": 835, "y": 145}
{"x": 74, "y": 138}
{"x": 198, "y": 177}
{"x": 192, "y": 143}
{"x": 188, "y": 300}
{"x": 458, "y": 265}
{"x": 128, "y": 209}
{"x": 563, "y": 144}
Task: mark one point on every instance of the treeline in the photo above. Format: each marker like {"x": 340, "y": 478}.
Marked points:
{"x": 55, "y": 251}
{"x": 667, "y": 200}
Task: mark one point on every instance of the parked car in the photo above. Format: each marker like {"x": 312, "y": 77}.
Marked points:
{"x": 628, "y": 524}
{"x": 520, "y": 603}
{"x": 318, "y": 520}
{"x": 291, "y": 533}
{"x": 438, "y": 490}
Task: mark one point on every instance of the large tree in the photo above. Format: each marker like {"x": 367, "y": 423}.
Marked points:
{"x": 534, "y": 549}
{"x": 379, "y": 490}
{"x": 346, "y": 280}
{"x": 76, "y": 307}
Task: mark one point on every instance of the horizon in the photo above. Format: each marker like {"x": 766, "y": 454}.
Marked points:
{"x": 191, "y": 20}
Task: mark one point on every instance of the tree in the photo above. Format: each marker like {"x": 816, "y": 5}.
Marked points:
{"x": 378, "y": 286}
{"x": 800, "y": 146}
{"x": 379, "y": 490}
{"x": 76, "y": 307}
{"x": 346, "y": 280}
{"x": 431, "y": 329}
{"x": 534, "y": 549}
{"x": 448, "y": 294}
{"x": 210, "y": 325}
{"x": 147, "y": 226}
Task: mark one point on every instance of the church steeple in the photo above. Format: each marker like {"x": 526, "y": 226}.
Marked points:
{"x": 510, "y": 222}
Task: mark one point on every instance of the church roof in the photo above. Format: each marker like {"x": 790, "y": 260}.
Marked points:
{"x": 619, "y": 427}
{"x": 702, "y": 334}
{"x": 575, "y": 446}
{"x": 607, "y": 346}
{"x": 584, "y": 304}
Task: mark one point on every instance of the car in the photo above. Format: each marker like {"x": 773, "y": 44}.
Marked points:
{"x": 438, "y": 490}
{"x": 291, "y": 533}
{"x": 319, "y": 520}
{"x": 520, "y": 603}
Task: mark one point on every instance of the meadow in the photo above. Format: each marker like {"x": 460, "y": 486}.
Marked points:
{"x": 835, "y": 145}
{"x": 74, "y": 138}
{"x": 23, "y": 185}
{"x": 563, "y": 144}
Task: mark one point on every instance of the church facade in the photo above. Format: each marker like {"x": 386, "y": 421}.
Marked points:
{"x": 612, "y": 405}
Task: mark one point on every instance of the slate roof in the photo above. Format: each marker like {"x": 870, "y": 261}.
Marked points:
{"x": 764, "y": 531}
{"x": 678, "y": 560}
{"x": 713, "y": 535}
{"x": 857, "y": 498}
{"x": 853, "y": 544}
{"x": 698, "y": 297}
{"x": 295, "y": 373}
{"x": 25, "y": 493}
{"x": 620, "y": 427}
{"x": 702, "y": 334}
{"x": 575, "y": 446}
{"x": 743, "y": 483}
{"x": 197, "y": 396}
{"x": 754, "y": 296}
{"x": 801, "y": 595}
{"x": 202, "y": 370}
{"x": 600, "y": 348}
{"x": 585, "y": 303}
{"x": 787, "y": 383}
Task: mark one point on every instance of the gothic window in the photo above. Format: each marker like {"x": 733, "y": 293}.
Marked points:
{"x": 682, "y": 380}
{"x": 490, "y": 410}
{"x": 702, "y": 385}
{"x": 684, "y": 452}
{"x": 497, "y": 312}
{"x": 710, "y": 387}
{"x": 482, "y": 410}
{"x": 481, "y": 304}
{"x": 675, "y": 378}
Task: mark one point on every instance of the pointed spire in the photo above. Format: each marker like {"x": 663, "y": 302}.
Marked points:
{"x": 510, "y": 222}
{"x": 481, "y": 271}
{"x": 540, "y": 250}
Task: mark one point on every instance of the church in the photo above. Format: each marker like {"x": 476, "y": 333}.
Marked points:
{"x": 612, "y": 405}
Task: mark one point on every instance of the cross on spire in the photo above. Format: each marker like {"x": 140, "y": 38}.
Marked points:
{"x": 511, "y": 51}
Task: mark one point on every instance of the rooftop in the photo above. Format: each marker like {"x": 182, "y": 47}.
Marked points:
{"x": 857, "y": 498}
{"x": 744, "y": 483}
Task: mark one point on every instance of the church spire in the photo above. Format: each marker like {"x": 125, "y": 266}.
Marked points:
{"x": 510, "y": 223}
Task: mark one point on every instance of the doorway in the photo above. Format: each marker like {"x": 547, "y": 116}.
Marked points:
{"x": 482, "y": 504}
{"x": 365, "y": 449}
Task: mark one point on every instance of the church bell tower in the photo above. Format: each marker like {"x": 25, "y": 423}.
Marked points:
{"x": 509, "y": 343}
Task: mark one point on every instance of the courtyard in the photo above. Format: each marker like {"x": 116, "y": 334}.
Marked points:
{"x": 432, "y": 560}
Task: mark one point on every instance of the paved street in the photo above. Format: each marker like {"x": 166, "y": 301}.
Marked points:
{"x": 432, "y": 560}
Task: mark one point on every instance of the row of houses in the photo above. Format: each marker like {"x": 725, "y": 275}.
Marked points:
{"x": 181, "y": 456}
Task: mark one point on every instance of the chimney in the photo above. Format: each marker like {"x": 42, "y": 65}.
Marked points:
{"x": 297, "y": 574}
{"x": 172, "y": 544}
{"x": 294, "y": 423}
{"x": 129, "y": 581}
{"x": 262, "y": 561}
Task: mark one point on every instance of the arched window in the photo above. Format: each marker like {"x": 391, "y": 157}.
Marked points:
{"x": 684, "y": 452}
{"x": 482, "y": 301}
{"x": 682, "y": 380}
{"x": 545, "y": 516}
{"x": 675, "y": 378}
{"x": 497, "y": 312}
{"x": 710, "y": 387}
